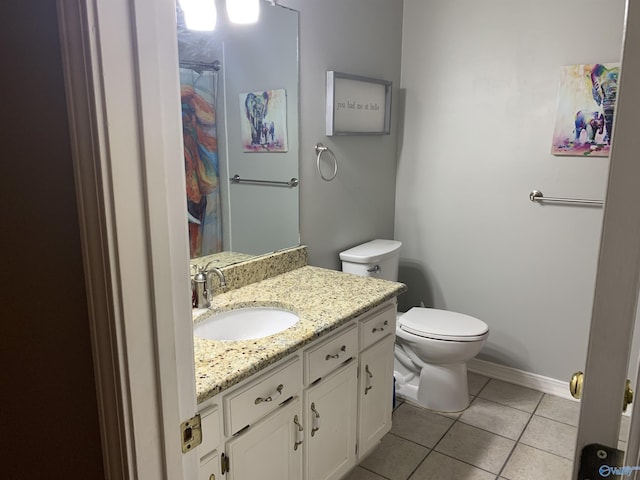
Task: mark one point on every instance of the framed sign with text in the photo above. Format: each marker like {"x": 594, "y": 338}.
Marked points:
{"x": 357, "y": 105}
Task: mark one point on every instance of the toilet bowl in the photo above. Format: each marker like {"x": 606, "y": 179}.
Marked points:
{"x": 431, "y": 354}
{"x": 432, "y": 346}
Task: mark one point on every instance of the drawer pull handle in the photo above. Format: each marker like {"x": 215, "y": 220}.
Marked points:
{"x": 270, "y": 398}
{"x": 343, "y": 349}
{"x": 368, "y": 385}
{"x": 299, "y": 433}
{"x": 381, "y": 329}
{"x": 316, "y": 420}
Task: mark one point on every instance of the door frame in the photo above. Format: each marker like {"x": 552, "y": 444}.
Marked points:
{"x": 617, "y": 280}
{"x": 120, "y": 63}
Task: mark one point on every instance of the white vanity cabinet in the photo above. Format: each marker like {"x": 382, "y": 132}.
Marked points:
{"x": 375, "y": 394}
{"x": 331, "y": 405}
{"x": 375, "y": 385}
{"x": 312, "y": 415}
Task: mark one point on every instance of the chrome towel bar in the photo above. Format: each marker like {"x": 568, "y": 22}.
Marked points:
{"x": 537, "y": 196}
{"x": 291, "y": 183}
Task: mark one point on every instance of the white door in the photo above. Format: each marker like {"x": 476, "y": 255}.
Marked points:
{"x": 120, "y": 59}
{"x": 618, "y": 266}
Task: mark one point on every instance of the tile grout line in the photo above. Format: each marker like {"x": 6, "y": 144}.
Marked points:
{"x": 458, "y": 419}
{"x": 515, "y": 445}
{"x": 433, "y": 449}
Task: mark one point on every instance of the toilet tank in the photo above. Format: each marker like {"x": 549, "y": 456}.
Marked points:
{"x": 377, "y": 258}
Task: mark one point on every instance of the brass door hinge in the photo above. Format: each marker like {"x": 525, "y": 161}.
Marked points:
{"x": 191, "y": 433}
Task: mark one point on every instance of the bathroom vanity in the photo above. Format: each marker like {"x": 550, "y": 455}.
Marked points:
{"x": 309, "y": 402}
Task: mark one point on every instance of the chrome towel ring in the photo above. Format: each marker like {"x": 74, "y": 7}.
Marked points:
{"x": 320, "y": 149}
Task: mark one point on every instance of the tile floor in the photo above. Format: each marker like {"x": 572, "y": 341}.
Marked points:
{"x": 508, "y": 433}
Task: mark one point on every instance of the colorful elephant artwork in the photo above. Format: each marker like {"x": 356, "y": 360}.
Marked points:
{"x": 586, "y": 102}
{"x": 591, "y": 122}
{"x": 264, "y": 121}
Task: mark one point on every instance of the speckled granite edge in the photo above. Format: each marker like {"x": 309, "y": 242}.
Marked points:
{"x": 221, "y": 259}
{"x": 251, "y": 269}
{"x": 323, "y": 299}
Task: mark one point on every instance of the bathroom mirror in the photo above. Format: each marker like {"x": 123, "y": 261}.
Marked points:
{"x": 239, "y": 92}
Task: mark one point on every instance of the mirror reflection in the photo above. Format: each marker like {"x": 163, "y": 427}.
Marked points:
{"x": 239, "y": 95}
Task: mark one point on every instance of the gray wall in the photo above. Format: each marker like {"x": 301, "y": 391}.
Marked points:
{"x": 479, "y": 82}
{"x": 361, "y": 37}
{"x": 259, "y": 57}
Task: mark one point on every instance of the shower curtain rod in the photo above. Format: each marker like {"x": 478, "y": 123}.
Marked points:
{"x": 202, "y": 66}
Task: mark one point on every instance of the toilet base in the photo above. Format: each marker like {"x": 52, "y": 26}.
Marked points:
{"x": 438, "y": 387}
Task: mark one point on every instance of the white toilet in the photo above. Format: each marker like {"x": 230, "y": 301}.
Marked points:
{"x": 432, "y": 346}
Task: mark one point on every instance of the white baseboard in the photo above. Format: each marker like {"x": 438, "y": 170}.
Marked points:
{"x": 520, "y": 377}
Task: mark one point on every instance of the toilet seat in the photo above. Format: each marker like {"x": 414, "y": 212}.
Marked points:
{"x": 443, "y": 325}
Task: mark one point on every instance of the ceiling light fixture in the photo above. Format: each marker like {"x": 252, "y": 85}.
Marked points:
{"x": 199, "y": 14}
{"x": 243, "y": 11}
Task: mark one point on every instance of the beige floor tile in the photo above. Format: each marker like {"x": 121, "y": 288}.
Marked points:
{"x": 419, "y": 425}
{"x": 395, "y": 458}
{"x": 511, "y": 395}
{"x": 360, "y": 473}
{"x": 551, "y": 436}
{"x": 399, "y": 401}
{"x": 440, "y": 467}
{"x": 528, "y": 463}
{"x": 496, "y": 418}
{"x": 559, "y": 409}
{"x": 477, "y": 447}
{"x": 475, "y": 382}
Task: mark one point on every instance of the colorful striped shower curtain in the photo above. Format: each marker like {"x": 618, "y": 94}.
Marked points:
{"x": 201, "y": 161}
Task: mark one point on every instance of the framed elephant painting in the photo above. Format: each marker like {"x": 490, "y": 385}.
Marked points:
{"x": 264, "y": 121}
{"x": 586, "y": 101}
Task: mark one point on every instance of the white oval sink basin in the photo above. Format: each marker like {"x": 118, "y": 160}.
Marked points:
{"x": 245, "y": 323}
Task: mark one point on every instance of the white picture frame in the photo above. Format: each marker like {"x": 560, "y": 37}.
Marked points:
{"x": 357, "y": 105}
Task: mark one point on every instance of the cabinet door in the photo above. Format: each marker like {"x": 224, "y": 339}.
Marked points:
{"x": 271, "y": 449}
{"x": 210, "y": 467}
{"x": 330, "y": 417}
{"x": 375, "y": 394}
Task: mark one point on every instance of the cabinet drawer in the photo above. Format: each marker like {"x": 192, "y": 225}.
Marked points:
{"x": 262, "y": 396}
{"x": 377, "y": 326}
{"x": 329, "y": 355}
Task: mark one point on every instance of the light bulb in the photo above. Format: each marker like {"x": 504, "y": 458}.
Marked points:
{"x": 243, "y": 11}
{"x": 199, "y": 14}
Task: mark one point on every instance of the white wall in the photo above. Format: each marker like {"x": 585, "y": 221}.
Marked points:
{"x": 361, "y": 37}
{"x": 479, "y": 81}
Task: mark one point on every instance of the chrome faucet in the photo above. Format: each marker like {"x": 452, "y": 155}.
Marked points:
{"x": 201, "y": 287}
{"x": 218, "y": 272}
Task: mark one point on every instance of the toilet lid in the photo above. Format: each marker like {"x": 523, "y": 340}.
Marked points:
{"x": 443, "y": 325}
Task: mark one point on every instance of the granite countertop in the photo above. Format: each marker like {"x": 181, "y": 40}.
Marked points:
{"x": 323, "y": 299}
